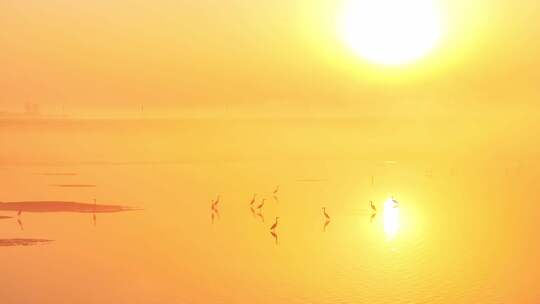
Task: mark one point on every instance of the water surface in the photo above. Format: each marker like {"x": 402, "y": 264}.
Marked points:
{"x": 464, "y": 231}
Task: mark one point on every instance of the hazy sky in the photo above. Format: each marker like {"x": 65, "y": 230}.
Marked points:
{"x": 256, "y": 57}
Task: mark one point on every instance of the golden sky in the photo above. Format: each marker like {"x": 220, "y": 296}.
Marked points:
{"x": 258, "y": 57}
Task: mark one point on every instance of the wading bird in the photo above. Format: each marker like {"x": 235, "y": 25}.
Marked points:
{"x": 372, "y": 206}
{"x": 261, "y": 204}
{"x": 275, "y": 224}
{"x": 325, "y": 214}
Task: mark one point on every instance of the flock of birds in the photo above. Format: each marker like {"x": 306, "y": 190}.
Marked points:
{"x": 256, "y": 210}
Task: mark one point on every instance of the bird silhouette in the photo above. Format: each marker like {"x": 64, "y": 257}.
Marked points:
{"x": 253, "y": 199}
{"x": 214, "y": 207}
{"x": 396, "y": 203}
{"x": 276, "y": 190}
{"x": 261, "y": 204}
{"x": 252, "y": 211}
{"x": 325, "y": 214}
{"x": 275, "y": 224}
{"x": 372, "y": 206}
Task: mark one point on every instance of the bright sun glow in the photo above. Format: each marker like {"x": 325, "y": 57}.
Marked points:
{"x": 391, "y": 218}
{"x": 391, "y": 32}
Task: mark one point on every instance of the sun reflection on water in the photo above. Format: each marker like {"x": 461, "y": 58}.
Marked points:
{"x": 391, "y": 218}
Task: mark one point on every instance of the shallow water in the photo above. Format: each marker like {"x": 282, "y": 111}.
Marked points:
{"x": 464, "y": 232}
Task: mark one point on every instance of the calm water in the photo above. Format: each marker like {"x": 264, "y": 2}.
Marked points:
{"x": 464, "y": 231}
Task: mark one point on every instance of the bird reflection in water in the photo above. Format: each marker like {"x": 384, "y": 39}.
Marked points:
{"x": 259, "y": 210}
{"x": 373, "y": 211}
{"x": 327, "y": 219}
{"x": 275, "y": 236}
{"x": 275, "y": 194}
{"x": 252, "y": 205}
{"x": 326, "y": 225}
{"x": 373, "y": 215}
{"x": 214, "y": 211}
{"x": 19, "y": 222}
{"x": 261, "y": 216}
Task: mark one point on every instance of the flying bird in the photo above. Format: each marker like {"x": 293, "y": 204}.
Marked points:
{"x": 276, "y": 190}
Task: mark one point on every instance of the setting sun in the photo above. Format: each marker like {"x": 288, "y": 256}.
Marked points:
{"x": 390, "y": 32}
{"x": 287, "y": 152}
{"x": 391, "y": 218}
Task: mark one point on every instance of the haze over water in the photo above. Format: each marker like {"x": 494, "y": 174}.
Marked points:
{"x": 262, "y": 151}
{"x": 464, "y": 231}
